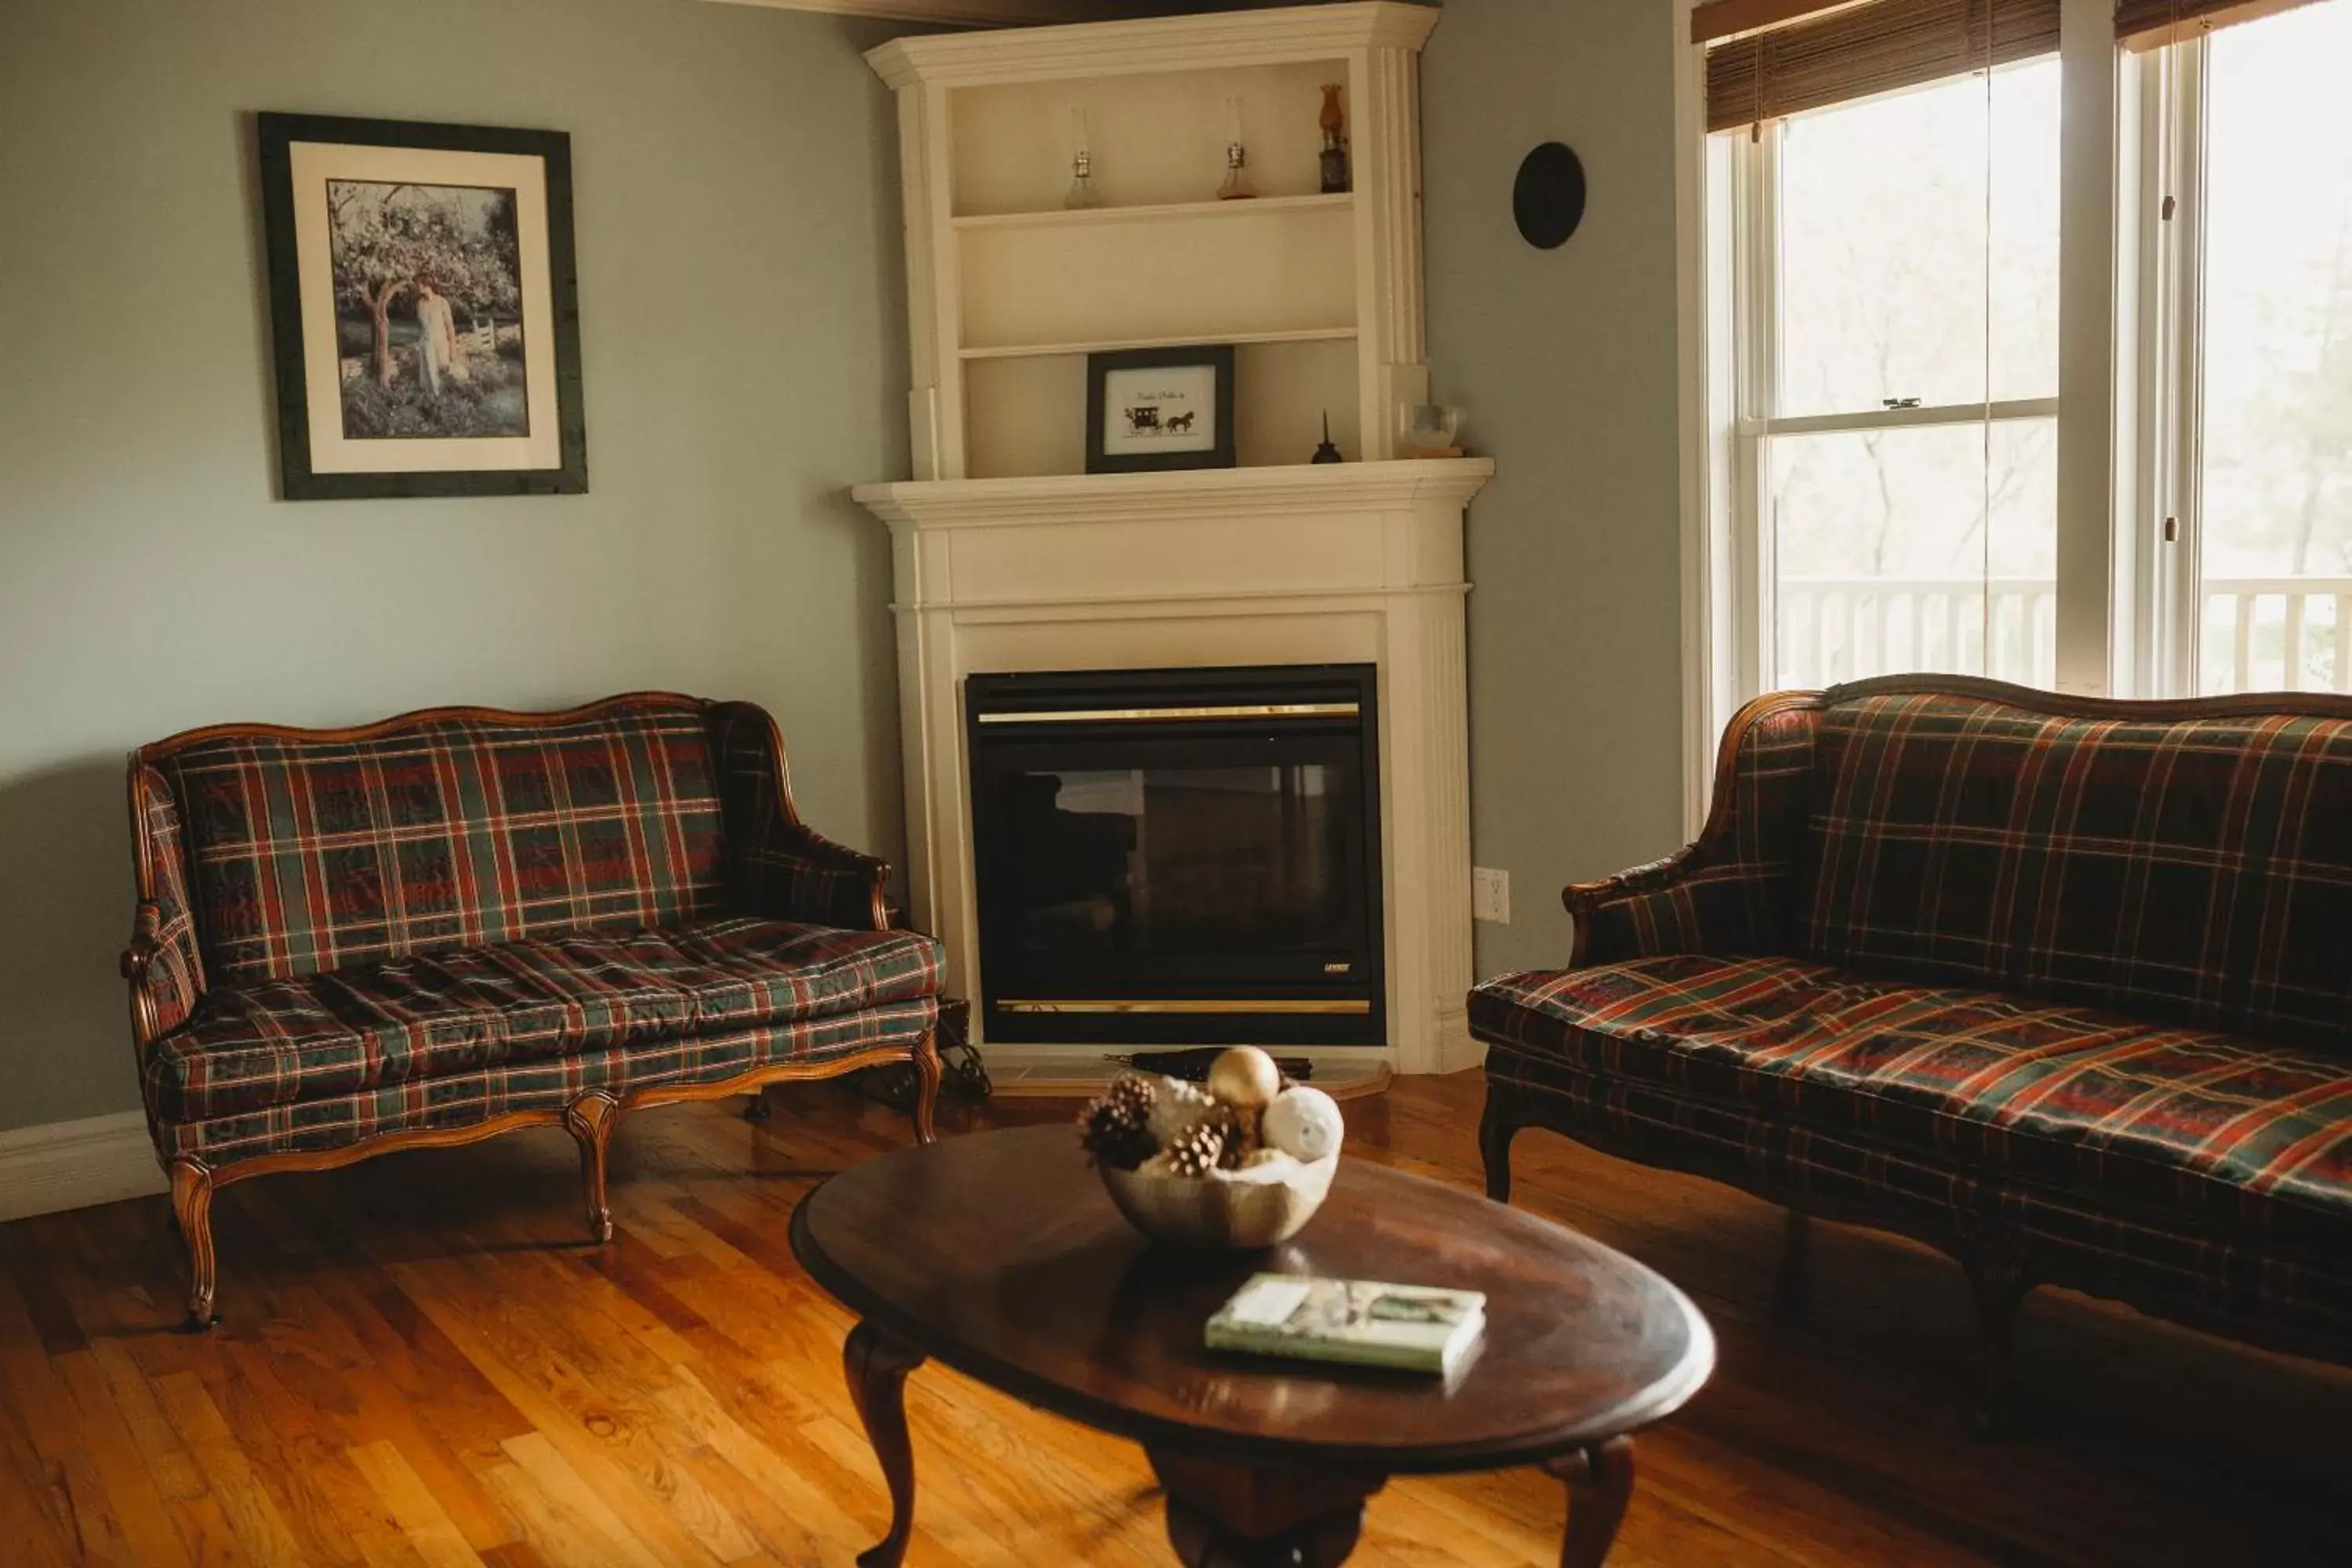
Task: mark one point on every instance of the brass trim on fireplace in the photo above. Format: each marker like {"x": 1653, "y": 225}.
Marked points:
{"x": 1124, "y": 715}
{"x": 1283, "y": 1004}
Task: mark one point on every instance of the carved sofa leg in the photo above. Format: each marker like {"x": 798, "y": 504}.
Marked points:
{"x": 191, "y": 1211}
{"x": 1793, "y": 1287}
{"x": 590, "y": 1120}
{"x": 927, "y": 1087}
{"x": 1997, "y": 1277}
{"x": 755, "y": 1106}
{"x": 1496, "y": 1128}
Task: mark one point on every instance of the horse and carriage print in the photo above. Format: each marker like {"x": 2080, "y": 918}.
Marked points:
{"x": 1160, "y": 408}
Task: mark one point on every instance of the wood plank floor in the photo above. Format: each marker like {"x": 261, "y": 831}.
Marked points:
{"x": 422, "y": 1364}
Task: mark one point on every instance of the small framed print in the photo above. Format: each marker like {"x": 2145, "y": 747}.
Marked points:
{"x": 1160, "y": 408}
{"x": 424, "y": 309}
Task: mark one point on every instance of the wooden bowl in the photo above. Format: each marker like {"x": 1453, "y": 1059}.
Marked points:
{"x": 1221, "y": 1214}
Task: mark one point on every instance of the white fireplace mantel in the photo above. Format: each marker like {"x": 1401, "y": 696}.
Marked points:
{"x": 1351, "y": 563}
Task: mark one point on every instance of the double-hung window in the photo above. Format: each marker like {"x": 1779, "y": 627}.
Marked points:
{"x": 2246, "y": 226}
{"x": 1886, "y": 316}
{"x": 1886, "y": 185}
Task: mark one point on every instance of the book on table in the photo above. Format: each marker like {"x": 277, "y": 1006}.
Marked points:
{"x": 1417, "y": 1328}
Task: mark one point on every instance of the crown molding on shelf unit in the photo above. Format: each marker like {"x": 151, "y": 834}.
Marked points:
{"x": 1222, "y": 39}
{"x": 960, "y": 13}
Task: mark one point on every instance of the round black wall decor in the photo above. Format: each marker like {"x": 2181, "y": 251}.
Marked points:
{"x": 1548, "y": 199}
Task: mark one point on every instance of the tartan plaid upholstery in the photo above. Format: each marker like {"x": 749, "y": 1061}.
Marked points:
{"x": 779, "y": 866}
{"x": 1727, "y": 892}
{"x": 2193, "y": 870}
{"x": 2246, "y": 1139}
{"x": 2093, "y": 1240}
{"x": 309, "y": 853}
{"x": 374, "y": 1027}
{"x": 479, "y": 1094}
{"x": 165, "y": 924}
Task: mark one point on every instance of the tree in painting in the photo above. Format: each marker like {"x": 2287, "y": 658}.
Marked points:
{"x": 428, "y": 302}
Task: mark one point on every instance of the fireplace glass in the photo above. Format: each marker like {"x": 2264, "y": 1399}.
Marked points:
{"x": 1177, "y": 857}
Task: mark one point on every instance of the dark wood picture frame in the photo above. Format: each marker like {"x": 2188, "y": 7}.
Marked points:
{"x": 276, "y": 134}
{"x": 1099, "y": 366}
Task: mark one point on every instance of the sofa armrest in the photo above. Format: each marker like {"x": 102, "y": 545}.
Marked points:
{"x": 1727, "y": 892}
{"x": 161, "y": 962}
{"x": 794, "y": 873}
{"x": 779, "y": 866}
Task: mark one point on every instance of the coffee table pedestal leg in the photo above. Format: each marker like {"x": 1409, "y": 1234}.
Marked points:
{"x": 1599, "y": 1484}
{"x": 1244, "y": 1516}
{"x": 877, "y": 1366}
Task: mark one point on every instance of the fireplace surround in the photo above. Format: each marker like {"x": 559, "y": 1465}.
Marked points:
{"x": 1178, "y": 856}
{"x": 1344, "y": 563}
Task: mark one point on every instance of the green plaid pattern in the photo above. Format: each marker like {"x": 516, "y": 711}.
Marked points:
{"x": 164, "y": 923}
{"x": 2251, "y": 1140}
{"x": 468, "y": 1099}
{"x": 2197, "y": 870}
{"x": 307, "y": 855}
{"x": 434, "y": 1015}
{"x": 778, "y": 865}
{"x": 1727, "y": 892}
{"x": 2093, "y": 1241}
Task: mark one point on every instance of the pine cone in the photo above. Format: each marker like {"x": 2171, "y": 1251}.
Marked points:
{"x": 1115, "y": 1129}
{"x": 1197, "y": 1151}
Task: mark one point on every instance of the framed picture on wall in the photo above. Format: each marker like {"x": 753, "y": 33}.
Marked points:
{"x": 1160, "y": 408}
{"x": 424, "y": 309}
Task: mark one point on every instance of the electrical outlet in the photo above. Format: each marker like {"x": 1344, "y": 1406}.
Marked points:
{"x": 1490, "y": 895}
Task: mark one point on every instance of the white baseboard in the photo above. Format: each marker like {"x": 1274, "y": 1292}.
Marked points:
{"x": 73, "y": 1164}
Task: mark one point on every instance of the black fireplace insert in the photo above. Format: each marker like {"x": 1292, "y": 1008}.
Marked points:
{"x": 1179, "y": 856}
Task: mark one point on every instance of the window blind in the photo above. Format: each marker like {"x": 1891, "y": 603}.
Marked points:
{"x": 2150, "y": 23}
{"x": 1861, "y": 50}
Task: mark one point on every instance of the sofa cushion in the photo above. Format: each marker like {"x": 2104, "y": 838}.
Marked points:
{"x": 2252, "y": 1137}
{"x": 276, "y": 1042}
{"x": 480, "y": 1094}
{"x": 2197, "y": 870}
{"x": 307, "y": 854}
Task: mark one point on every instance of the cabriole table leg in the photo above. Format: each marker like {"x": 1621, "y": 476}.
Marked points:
{"x": 877, "y": 1367}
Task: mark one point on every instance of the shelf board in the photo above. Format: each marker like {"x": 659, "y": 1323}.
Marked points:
{"x": 1051, "y": 350}
{"x": 1091, "y": 218}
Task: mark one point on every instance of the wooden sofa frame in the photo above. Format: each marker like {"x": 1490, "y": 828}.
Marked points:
{"x": 590, "y": 1117}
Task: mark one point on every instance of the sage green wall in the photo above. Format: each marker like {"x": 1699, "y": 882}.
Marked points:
{"x": 1565, "y": 361}
{"x": 745, "y": 354}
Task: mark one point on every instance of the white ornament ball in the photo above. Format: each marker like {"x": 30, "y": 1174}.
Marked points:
{"x": 1304, "y": 1123}
{"x": 1245, "y": 1077}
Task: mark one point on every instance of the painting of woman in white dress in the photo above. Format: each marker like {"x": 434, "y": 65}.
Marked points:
{"x": 428, "y": 300}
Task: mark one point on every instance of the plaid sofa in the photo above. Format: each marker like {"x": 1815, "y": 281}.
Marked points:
{"x": 2061, "y": 987}
{"x": 461, "y": 921}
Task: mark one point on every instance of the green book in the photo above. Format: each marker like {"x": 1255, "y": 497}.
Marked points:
{"x": 1414, "y": 1327}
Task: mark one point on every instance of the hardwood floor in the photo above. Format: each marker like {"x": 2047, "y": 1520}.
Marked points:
{"x": 423, "y": 1363}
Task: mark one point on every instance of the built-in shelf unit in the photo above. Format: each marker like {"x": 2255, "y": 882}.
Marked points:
{"x": 1010, "y": 290}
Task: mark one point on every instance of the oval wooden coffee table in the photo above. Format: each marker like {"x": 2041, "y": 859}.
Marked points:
{"x": 1000, "y": 1255}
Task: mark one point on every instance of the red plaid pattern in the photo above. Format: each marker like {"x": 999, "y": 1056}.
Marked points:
{"x": 308, "y": 855}
{"x": 1729, "y": 891}
{"x": 2001, "y": 971}
{"x": 780, "y": 866}
{"x": 2093, "y": 1241}
{"x": 2197, "y": 870}
{"x": 470, "y": 1098}
{"x": 2255, "y": 1139}
{"x": 164, "y": 926}
{"x": 431, "y": 1016}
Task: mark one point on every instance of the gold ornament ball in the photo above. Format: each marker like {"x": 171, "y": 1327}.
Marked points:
{"x": 1246, "y": 1078}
